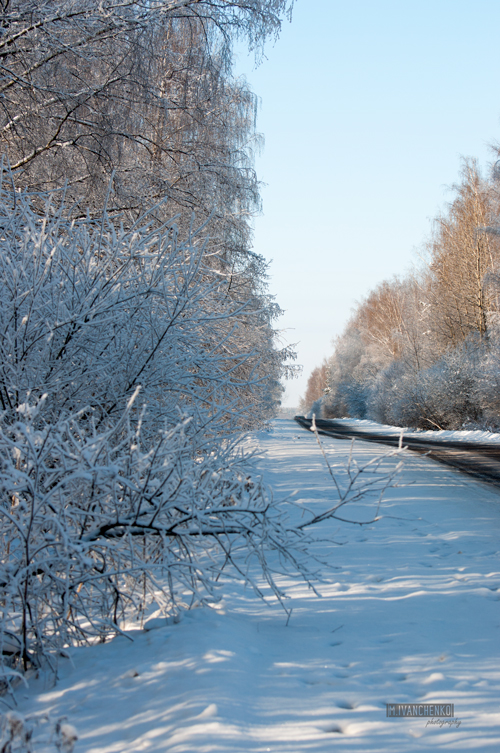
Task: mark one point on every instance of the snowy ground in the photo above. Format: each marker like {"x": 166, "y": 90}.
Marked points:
{"x": 412, "y": 614}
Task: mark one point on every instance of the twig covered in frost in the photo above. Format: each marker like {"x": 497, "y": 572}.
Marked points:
{"x": 21, "y": 734}
{"x": 360, "y": 481}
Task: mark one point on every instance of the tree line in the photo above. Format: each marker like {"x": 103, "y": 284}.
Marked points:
{"x": 424, "y": 350}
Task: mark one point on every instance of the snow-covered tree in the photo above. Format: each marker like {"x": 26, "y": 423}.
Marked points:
{"x": 462, "y": 253}
{"x": 140, "y": 93}
{"x": 417, "y": 350}
{"x": 316, "y": 385}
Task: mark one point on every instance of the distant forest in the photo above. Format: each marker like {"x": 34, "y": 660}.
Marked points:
{"x": 424, "y": 350}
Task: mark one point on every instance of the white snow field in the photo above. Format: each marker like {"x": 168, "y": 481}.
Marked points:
{"x": 410, "y": 615}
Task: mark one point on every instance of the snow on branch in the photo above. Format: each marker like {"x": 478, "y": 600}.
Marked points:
{"x": 354, "y": 482}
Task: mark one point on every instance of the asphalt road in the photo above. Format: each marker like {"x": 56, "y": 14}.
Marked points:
{"x": 478, "y": 459}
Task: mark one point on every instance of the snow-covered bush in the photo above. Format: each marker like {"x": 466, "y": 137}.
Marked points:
{"x": 386, "y": 393}
{"x": 128, "y": 370}
{"x": 95, "y": 526}
{"x": 349, "y": 399}
{"x": 444, "y": 396}
{"x": 316, "y": 409}
{"x": 89, "y": 311}
{"x": 352, "y": 369}
{"x": 488, "y": 378}
{"x": 21, "y": 734}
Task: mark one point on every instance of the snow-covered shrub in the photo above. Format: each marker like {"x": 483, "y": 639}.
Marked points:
{"x": 89, "y": 311}
{"x": 21, "y": 734}
{"x": 444, "y": 396}
{"x": 389, "y": 389}
{"x": 16, "y": 733}
{"x": 489, "y": 379}
{"x": 95, "y": 526}
{"x": 316, "y": 409}
{"x": 128, "y": 369}
{"x": 349, "y": 399}
{"x": 352, "y": 370}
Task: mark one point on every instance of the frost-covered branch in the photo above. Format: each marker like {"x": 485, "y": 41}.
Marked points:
{"x": 353, "y": 482}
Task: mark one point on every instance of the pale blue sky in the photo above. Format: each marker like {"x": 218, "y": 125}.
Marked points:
{"x": 366, "y": 109}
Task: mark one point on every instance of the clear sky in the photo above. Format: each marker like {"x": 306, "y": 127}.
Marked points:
{"x": 366, "y": 109}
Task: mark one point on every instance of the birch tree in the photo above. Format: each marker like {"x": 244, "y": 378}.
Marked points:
{"x": 139, "y": 91}
{"x": 462, "y": 255}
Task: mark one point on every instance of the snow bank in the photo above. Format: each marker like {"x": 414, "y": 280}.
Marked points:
{"x": 455, "y": 436}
